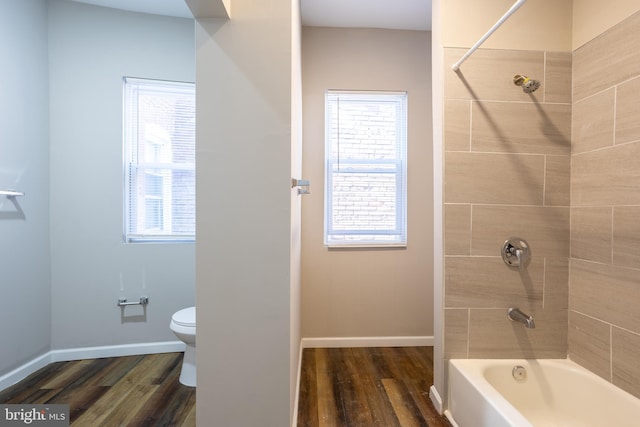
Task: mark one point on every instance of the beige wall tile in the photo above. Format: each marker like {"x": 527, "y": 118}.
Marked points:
{"x": 493, "y": 335}
{"x": 606, "y": 177}
{"x": 626, "y": 369}
{"x": 556, "y": 182}
{"x": 456, "y": 327}
{"x": 487, "y": 282}
{"x": 457, "y": 125}
{"x": 607, "y": 60}
{"x": 494, "y": 178}
{"x": 592, "y": 125}
{"x": 626, "y": 236}
{"x": 557, "y": 81}
{"x": 589, "y": 344}
{"x": 546, "y": 229}
{"x": 628, "y": 111}
{"x": 457, "y": 229}
{"x": 591, "y": 233}
{"x": 605, "y": 292}
{"x": 521, "y": 127}
{"x": 488, "y": 74}
{"x": 556, "y": 283}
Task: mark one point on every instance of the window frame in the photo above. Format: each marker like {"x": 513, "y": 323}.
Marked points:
{"x": 397, "y": 166}
{"x": 156, "y": 167}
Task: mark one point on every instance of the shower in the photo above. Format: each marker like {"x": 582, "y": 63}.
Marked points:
{"x": 528, "y": 85}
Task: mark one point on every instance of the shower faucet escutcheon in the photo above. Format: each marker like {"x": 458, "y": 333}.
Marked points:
{"x": 516, "y": 253}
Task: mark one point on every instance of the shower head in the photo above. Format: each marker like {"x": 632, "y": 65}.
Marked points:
{"x": 528, "y": 85}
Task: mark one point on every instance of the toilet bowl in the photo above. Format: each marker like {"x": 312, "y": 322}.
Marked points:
{"x": 183, "y": 324}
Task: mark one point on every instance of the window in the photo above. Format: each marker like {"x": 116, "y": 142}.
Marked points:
{"x": 366, "y": 168}
{"x": 159, "y": 160}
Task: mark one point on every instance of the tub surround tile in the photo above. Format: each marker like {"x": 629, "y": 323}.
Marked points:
{"x": 591, "y": 233}
{"x": 593, "y": 121}
{"x": 556, "y": 180}
{"x": 493, "y": 335}
{"x": 626, "y": 236}
{"x": 494, "y": 178}
{"x": 628, "y": 112}
{"x": 488, "y": 74}
{"x": 556, "y": 283}
{"x": 507, "y": 171}
{"x": 457, "y": 229}
{"x": 589, "y": 344}
{"x": 557, "y": 81}
{"x": 598, "y": 176}
{"x": 521, "y": 127}
{"x": 604, "y": 330}
{"x": 606, "y": 177}
{"x": 626, "y": 369}
{"x": 456, "y": 334}
{"x": 605, "y": 292}
{"x": 609, "y": 59}
{"x": 487, "y": 282}
{"x": 545, "y": 228}
{"x": 457, "y": 125}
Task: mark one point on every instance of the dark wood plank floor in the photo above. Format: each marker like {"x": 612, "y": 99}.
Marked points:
{"x": 367, "y": 387}
{"x": 112, "y": 392}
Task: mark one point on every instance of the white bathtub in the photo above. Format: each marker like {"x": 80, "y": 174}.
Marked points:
{"x": 484, "y": 393}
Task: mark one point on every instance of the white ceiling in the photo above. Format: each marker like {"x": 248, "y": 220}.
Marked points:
{"x": 393, "y": 14}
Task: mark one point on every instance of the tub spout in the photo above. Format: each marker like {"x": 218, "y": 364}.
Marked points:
{"x": 516, "y": 315}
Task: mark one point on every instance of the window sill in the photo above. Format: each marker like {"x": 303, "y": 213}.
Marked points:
{"x": 378, "y": 246}
{"x": 139, "y": 240}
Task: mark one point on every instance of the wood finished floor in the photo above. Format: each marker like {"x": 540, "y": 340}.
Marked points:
{"x": 367, "y": 387}
{"x": 348, "y": 387}
{"x": 112, "y": 392}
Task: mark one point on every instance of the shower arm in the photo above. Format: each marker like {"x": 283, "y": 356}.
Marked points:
{"x": 501, "y": 21}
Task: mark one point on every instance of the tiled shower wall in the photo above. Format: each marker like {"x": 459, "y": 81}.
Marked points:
{"x": 506, "y": 173}
{"x": 604, "y": 315}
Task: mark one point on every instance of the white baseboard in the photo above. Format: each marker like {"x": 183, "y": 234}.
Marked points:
{"x": 435, "y": 399}
{"x": 22, "y": 372}
{"x": 341, "y": 342}
{"x": 116, "y": 350}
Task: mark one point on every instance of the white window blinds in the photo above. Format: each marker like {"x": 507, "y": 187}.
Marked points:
{"x": 159, "y": 160}
{"x": 366, "y": 168}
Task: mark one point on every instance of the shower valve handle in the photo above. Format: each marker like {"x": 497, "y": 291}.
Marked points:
{"x": 516, "y": 253}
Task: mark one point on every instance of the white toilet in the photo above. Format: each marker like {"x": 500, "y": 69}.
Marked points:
{"x": 183, "y": 324}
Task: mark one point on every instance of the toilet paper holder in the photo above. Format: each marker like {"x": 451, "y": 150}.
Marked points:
{"x": 122, "y": 302}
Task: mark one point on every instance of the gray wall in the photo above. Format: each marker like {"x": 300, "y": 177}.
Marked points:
{"x": 90, "y": 50}
{"x": 25, "y": 305}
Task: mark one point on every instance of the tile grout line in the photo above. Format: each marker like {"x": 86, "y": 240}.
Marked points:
{"x": 544, "y": 282}
{"x": 611, "y": 353}
{"x": 468, "y": 329}
{"x": 544, "y": 76}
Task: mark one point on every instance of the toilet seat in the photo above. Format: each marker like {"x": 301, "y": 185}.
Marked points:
{"x": 185, "y": 317}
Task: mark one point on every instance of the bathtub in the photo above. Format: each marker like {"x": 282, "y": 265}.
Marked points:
{"x": 550, "y": 392}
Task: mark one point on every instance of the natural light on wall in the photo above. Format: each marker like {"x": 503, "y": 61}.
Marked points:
{"x": 159, "y": 161}
{"x": 366, "y": 173}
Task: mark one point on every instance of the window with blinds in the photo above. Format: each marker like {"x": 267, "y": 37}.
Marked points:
{"x": 366, "y": 168}
{"x": 159, "y": 161}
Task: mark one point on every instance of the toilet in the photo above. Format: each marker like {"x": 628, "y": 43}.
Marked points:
{"x": 183, "y": 324}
